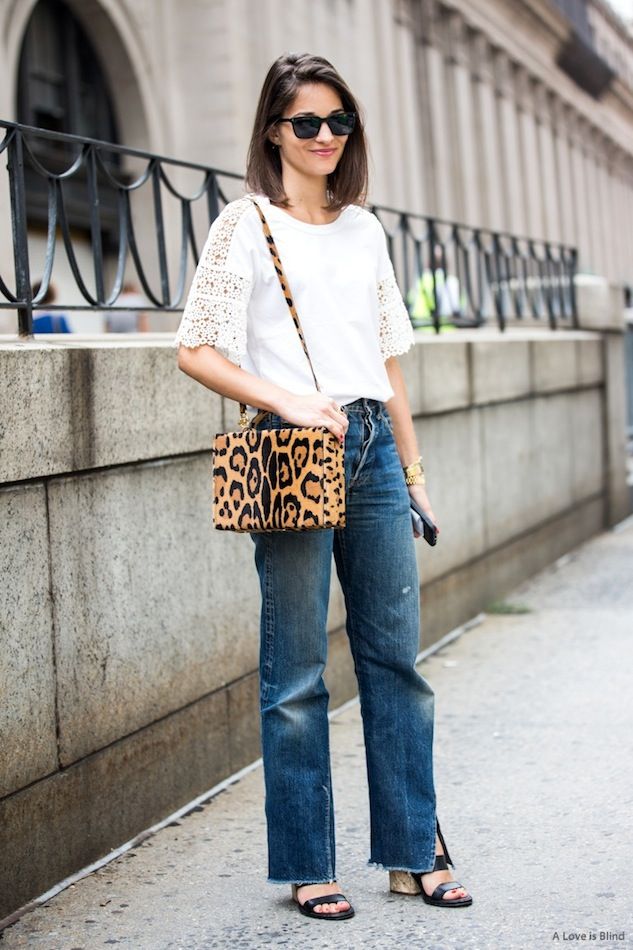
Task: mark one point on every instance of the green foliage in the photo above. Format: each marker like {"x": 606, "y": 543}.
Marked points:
{"x": 505, "y": 607}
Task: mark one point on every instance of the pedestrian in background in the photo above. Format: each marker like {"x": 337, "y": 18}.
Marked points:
{"x": 122, "y": 320}
{"x": 307, "y": 169}
{"x": 53, "y": 322}
{"x": 435, "y": 292}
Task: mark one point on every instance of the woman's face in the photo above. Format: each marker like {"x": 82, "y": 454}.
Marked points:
{"x": 311, "y": 157}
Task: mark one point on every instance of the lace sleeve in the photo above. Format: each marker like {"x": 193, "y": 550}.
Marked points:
{"x": 216, "y": 308}
{"x": 396, "y": 332}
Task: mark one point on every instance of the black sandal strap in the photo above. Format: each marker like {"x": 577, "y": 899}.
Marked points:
{"x": 441, "y": 889}
{"x": 440, "y": 863}
{"x": 328, "y": 899}
{"x": 443, "y": 843}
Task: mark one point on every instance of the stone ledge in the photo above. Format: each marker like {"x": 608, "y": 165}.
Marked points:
{"x": 94, "y": 404}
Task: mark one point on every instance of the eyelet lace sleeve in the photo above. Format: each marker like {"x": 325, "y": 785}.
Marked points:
{"x": 396, "y": 332}
{"x": 216, "y": 308}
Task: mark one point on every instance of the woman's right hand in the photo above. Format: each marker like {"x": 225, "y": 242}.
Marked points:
{"x": 315, "y": 410}
{"x": 215, "y": 371}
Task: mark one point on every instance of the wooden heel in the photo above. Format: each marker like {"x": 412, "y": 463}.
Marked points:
{"x": 402, "y": 882}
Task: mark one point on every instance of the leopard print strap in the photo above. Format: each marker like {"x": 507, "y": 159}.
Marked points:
{"x": 285, "y": 287}
{"x": 274, "y": 253}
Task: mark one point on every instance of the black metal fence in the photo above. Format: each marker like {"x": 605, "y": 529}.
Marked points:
{"x": 112, "y": 202}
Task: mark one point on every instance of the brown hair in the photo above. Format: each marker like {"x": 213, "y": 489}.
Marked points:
{"x": 348, "y": 182}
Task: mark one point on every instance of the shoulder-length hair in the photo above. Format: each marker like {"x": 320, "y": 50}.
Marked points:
{"x": 348, "y": 182}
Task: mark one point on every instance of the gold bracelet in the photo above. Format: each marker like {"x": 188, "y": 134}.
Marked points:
{"x": 414, "y": 473}
{"x": 414, "y": 467}
{"x": 418, "y": 479}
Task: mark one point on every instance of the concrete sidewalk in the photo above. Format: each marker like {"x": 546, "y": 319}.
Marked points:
{"x": 534, "y": 774}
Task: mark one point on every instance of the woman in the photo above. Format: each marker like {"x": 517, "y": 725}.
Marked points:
{"x": 307, "y": 168}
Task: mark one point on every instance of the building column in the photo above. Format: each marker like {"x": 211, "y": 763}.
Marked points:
{"x": 529, "y": 155}
{"x": 435, "y": 109}
{"x": 463, "y": 142}
{"x": 564, "y": 171}
{"x": 392, "y": 189}
{"x": 625, "y": 201}
{"x": 611, "y": 224}
{"x": 413, "y": 147}
{"x": 508, "y": 123}
{"x": 550, "y": 187}
{"x": 593, "y": 200}
{"x": 488, "y": 139}
{"x": 579, "y": 189}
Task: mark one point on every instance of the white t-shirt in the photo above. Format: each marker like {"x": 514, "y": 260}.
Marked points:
{"x": 343, "y": 286}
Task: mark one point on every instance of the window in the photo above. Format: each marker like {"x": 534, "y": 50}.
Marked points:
{"x": 61, "y": 85}
{"x": 62, "y": 88}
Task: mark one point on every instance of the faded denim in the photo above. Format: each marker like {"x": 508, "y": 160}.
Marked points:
{"x": 376, "y": 565}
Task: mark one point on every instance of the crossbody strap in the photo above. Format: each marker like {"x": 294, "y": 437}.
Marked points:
{"x": 285, "y": 287}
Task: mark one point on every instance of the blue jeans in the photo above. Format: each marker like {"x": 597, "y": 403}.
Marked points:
{"x": 376, "y": 566}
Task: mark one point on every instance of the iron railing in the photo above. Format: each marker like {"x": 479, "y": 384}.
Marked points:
{"x": 449, "y": 273}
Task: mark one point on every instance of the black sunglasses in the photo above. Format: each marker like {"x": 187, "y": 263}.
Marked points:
{"x": 309, "y": 126}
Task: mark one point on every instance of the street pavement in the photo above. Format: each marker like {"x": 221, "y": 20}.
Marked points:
{"x": 534, "y": 774}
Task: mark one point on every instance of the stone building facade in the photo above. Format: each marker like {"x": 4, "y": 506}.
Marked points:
{"x": 469, "y": 116}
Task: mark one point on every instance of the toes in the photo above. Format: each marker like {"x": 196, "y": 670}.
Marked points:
{"x": 332, "y": 908}
{"x": 455, "y": 894}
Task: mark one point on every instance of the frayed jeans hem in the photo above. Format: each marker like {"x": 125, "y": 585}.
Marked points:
{"x": 292, "y": 880}
{"x": 379, "y": 866}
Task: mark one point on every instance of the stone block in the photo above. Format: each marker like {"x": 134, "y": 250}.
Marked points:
{"x": 96, "y": 403}
{"x": 243, "y": 722}
{"x": 554, "y": 364}
{"x": 451, "y": 448}
{"x": 336, "y": 606}
{"x": 500, "y": 370}
{"x": 550, "y": 479}
{"x": 67, "y": 821}
{"x": 41, "y": 440}
{"x": 453, "y": 599}
{"x": 444, "y": 374}
{"x": 510, "y": 503}
{"x": 340, "y": 677}
{"x": 154, "y": 607}
{"x": 618, "y": 492}
{"x": 411, "y": 364}
{"x": 587, "y": 445}
{"x": 600, "y": 306}
{"x": 28, "y": 748}
{"x": 590, "y": 361}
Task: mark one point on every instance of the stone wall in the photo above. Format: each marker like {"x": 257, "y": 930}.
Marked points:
{"x": 130, "y": 627}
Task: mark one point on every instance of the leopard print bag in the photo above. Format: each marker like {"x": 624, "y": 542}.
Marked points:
{"x": 287, "y": 479}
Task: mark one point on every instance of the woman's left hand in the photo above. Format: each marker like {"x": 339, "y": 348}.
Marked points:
{"x": 418, "y": 492}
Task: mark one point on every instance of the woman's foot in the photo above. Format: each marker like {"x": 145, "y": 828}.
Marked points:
{"x": 432, "y": 879}
{"x": 438, "y": 886}
{"x": 305, "y": 892}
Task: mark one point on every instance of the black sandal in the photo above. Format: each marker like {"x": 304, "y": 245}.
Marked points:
{"x": 307, "y": 908}
{"x": 408, "y": 882}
